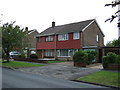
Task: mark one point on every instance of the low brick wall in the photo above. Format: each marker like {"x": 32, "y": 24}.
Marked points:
{"x": 31, "y": 60}
{"x": 113, "y": 67}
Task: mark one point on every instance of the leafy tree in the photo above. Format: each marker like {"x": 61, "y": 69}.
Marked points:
{"x": 116, "y": 42}
{"x": 113, "y": 43}
{"x": 12, "y": 38}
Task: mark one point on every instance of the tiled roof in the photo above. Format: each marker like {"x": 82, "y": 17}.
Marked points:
{"x": 72, "y": 27}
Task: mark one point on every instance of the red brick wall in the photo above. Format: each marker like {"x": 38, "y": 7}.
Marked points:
{"x": 68, "y": 44}
{"x": 45, "y": 45}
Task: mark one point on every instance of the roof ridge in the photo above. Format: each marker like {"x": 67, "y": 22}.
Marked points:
{"x": 73, "y": 23}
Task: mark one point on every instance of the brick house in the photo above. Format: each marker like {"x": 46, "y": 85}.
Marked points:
{"x": 63, "y": 41}
{"x": 31, "y": 41}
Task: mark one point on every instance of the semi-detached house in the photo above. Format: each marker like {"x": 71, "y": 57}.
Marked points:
{"x": 61, "y": 42}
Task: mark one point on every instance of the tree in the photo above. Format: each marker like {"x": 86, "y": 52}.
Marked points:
{"x": 117, "y": 14}
{"x": 12, "y": 38}
{"x": 113, "y": 43}
{"x": 113, "y": 4}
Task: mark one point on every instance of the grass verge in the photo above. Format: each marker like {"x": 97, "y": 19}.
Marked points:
{"x": 16, "y": 64}
{"x": 103, "y": 77}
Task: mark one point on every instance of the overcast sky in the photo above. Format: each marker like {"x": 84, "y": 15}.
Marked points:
{"x": 38, "y": 14}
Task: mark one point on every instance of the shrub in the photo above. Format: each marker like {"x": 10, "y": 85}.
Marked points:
{"x": 105, "y": 61}
{"x": 33, "y": 56}
{"x": 117, "y": 61}
{"x": 91, "y": 56}
{"x": 80, "y": 56}
{"x": 110, "y": 58}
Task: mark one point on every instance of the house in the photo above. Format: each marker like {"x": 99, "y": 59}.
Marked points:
{"x": 61, "y": 42}
{"x": 31, "y": 41}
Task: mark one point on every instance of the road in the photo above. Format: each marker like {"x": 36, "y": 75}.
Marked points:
{"x": 17, "y": 79}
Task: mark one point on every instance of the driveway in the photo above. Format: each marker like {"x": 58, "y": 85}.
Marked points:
{"x": 62, "y": 70}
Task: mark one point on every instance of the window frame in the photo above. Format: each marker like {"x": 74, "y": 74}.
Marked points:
{"x": 61, "y": 51}
{"x": 63, "y": 37}
{"x": 97, "y": 38}
{"x": 76, "y": 35}
{"x": 49, "y": 38}
{"x": 49, "y": 53}
{"x": 38, "y": 39}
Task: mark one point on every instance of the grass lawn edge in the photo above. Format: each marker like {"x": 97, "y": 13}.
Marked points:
{"x": 85, "y": 80}
{"x": 96, "y": 84}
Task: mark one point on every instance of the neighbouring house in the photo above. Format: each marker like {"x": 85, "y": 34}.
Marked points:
{"x": 61, "y": 42}
{"x": 31, "y": 42}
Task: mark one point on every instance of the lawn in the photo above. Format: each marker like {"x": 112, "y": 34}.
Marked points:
{"x": 54, "y": 62}
{"x": 103, "y": 77}
{"x": 16, "y": 64}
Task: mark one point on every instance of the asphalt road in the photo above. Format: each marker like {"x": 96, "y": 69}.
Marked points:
{"x": 17, "y": 79}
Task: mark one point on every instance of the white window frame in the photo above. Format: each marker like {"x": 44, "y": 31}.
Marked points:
{"x": 49, "y": 38}
{"x": 48, "y": 53}
{"x": 76, "y": 35}
{"x": 62, "y": 37}
{"x": 59, "y": 53}
{"x": 97, "y": 37}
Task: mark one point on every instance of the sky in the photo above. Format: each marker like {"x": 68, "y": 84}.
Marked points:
{"x": 39, "y": 14}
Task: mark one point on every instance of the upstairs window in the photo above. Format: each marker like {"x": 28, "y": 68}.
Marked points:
{"x": 63, "y": 37}
{"x": 38, "y": 39}
{"x": 49, "y": 38}
{"x": 76, "y": 35}
{"x": 97, "y": 38}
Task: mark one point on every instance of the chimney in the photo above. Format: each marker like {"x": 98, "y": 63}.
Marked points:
{"x": 53, "y": 24}
{"x": 26, "y": 28}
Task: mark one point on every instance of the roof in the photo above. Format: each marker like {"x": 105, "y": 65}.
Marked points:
{"x": 67, "y": 28}
{"x": 31, "y": 31}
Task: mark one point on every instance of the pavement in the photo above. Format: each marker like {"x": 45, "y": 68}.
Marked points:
{"x": 64, "y": 70}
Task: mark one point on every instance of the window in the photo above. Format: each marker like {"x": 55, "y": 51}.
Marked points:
{"x": 38, "y": 39}
{"x": 63, "y": 37}
{"x": 49, "y": 38}
{"x": 63, "y": 52}
{"x": 97, "y": 38}
{"x": 76, "y": 35}
{"x": 48, "y": 53}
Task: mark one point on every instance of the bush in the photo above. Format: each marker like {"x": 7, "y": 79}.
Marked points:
{"x": 33, "y": 56}
{"x": 80, "y": 56}
{"x": 91, "y": 56}
{"x": 110, "y": 58}
{"x": 117, "y": 61}
{"x": 105, "y": 61}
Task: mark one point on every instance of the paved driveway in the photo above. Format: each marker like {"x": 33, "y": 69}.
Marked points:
{"x": 61, "y": 71}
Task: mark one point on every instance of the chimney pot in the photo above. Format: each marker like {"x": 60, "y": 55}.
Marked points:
{"x": 53, "y": 24}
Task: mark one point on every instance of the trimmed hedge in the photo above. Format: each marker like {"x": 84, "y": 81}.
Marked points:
{"x": 111, "y": 58}
{"x": 80, "y": 56}
{"x": 84, "y": 56}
